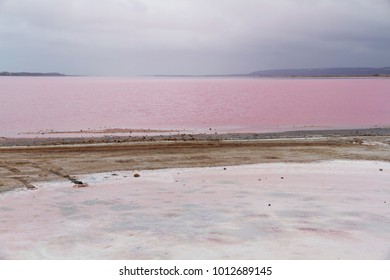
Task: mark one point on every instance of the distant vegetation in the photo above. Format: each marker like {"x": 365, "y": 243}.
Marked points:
{"x": 31, "y": 74}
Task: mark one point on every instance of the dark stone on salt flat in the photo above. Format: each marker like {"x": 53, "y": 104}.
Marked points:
{"x": 80, "y": 186}
{"x": 77, "y": 182}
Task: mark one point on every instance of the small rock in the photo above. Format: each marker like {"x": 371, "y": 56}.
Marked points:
{"x": 281, "y": 177}
{"x": 114, "y": 174}
{"x": 380, "y": 169}
{"x": 258, "y": 179}
{"x": 80, "y": 186}
{"x": 269, "y": 204}
{"x": 137, "y": 175}
{"x": 77, "y": 182}
{"x": 224, "y": 168}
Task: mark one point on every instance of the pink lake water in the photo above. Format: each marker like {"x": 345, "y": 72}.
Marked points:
{"x": 70, "y": 104}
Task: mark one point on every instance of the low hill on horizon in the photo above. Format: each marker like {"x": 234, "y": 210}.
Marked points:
{"x": 323, "y": 72}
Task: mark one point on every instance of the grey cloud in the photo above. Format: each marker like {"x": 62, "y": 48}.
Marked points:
{"x": 124, "y": 37}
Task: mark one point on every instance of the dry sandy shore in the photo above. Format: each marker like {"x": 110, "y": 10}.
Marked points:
{"x": 25, "y": 161}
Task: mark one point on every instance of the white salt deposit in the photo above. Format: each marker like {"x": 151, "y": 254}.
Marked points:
{"x": 324, "y": 210}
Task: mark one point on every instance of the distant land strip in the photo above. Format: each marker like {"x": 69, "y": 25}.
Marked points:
{"x": 336, "y": 72}
{"x": 341, "y": 72}
{"x": 325, "y": 72}
{"x": 31, "y": 74}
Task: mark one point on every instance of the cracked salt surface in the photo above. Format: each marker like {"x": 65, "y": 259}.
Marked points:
{"x": 323, "y": 210}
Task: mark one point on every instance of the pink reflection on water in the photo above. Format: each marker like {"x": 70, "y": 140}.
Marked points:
{"x": 255, "y": 105}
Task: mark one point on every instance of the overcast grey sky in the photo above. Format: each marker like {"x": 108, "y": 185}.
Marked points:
{"x": 141, "y": 37}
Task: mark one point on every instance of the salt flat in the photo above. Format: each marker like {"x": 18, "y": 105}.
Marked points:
{"x": 320, "y": 210}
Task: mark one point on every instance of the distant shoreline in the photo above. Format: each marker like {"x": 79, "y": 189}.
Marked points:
{"x": 271, "y": 77}
{"x": 31, "y": 74}
{"x": 335, "y": 72}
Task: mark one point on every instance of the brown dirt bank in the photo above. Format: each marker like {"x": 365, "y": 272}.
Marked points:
{"x": 174, "y": 137}
{"x": 21, "y": 166}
